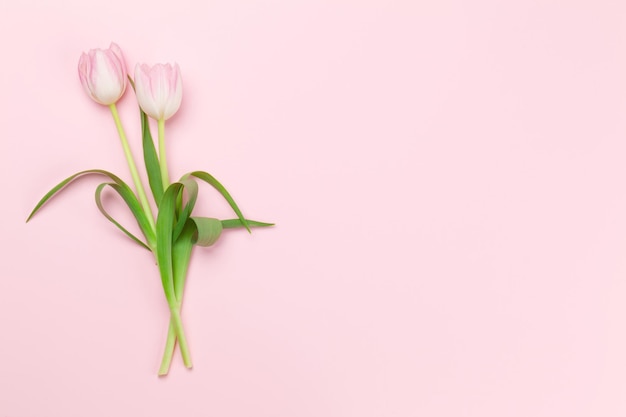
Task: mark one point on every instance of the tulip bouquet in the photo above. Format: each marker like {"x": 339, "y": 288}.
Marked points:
{"x": 171, "y": 235}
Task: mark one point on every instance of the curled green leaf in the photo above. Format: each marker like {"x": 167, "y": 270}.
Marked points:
{"x": 208, "y": 230}
{"x": 60, "y": 186}
{"x": 191, "y": 186}
{"x": 112, "y": 220}
{"x": 210, "y": 179}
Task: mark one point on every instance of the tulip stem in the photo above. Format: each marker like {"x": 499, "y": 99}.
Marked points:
{"x": 132, "y": 166}
{"x": 170, "y": 344}
{"x": 177, "y": 324}
{"x": 175, "y": 333}
{"x": 162, "y": 160}
{"x": 168, "y": 352}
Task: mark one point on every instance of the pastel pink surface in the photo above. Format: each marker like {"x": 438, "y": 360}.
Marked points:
{"x": 447, "y": 179}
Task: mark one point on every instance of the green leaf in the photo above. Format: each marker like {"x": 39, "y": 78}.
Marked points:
{"x": 151, "y": 160}
{"x": 68, "y": 180}
{"x": 192, "y": 194}
{"x": 234, "y": 223}
{"x": 208, "y": 230}
{"x": 120, "y": 186}
{"x": 208, "y": 178}
{"x": 110, "y": 218}
{"x": 181, "y": 254}
{"x": 164, "y": 229}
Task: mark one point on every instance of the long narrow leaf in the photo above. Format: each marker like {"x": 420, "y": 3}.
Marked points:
{"x": 181, "y": 254}
{"x": 151, "y": 160}
{"x": 111, "y": 219}
{"x": 164, "y": 228}
{"x": 68, "y": 180}
{"x": 234, "y": 223}
{"x": 209, "y": 179}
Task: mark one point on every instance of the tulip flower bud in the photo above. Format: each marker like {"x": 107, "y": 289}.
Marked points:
{"x": 103, "y": 74}
{"x": 159, "y": 89}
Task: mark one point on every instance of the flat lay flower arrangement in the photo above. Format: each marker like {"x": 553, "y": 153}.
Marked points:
{"x": 172, "y": 233}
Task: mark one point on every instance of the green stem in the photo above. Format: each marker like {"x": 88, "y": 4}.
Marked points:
{"x": 168, "y": 354}
{"x": 162, "y": 159}
{"x": 174, "y": 329}
{"x": 179, "y": 287}
{"x": 133, "y": 168}
{"x": 179, "y": 331}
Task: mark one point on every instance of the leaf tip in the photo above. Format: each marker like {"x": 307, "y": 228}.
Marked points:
{"x": 30, "y": 216}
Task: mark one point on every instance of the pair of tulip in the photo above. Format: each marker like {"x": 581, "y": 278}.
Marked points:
{"x": 174, "y": 232}
{"x": 104, "y": 77}
{"x": 159, "y": 93}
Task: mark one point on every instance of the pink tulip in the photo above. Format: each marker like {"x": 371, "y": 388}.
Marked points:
{"x": 159, "y": 89}
{"x": 103, "y": 74}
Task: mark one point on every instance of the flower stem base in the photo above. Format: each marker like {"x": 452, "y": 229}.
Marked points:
{"x": 175, "y": 332}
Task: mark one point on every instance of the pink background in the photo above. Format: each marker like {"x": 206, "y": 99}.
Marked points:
{"x": 448, "y": 179}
